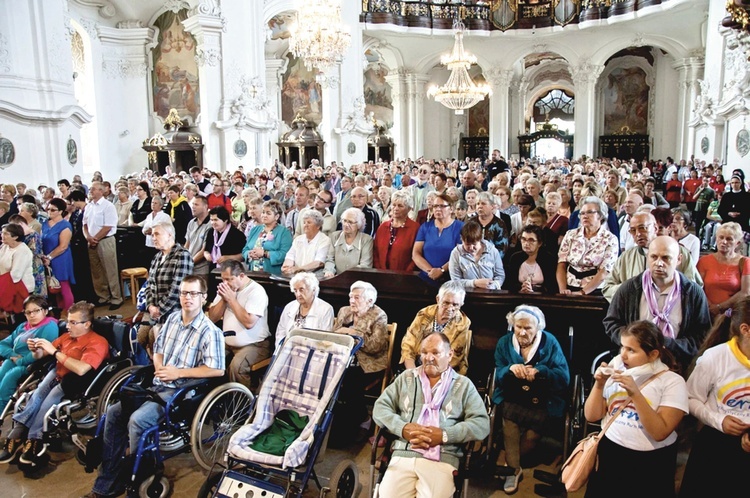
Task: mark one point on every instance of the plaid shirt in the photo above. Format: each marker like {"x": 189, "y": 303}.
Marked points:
{"x": 188, "y": 346}
{"x": 165, "y": 277}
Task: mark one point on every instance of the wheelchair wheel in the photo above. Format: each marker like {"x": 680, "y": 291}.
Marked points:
{"x": 221, "y": 412}
{"x": 575, "y": 423}
{"x": 210, "y": 485}
{"x": 344, "y": 481}
{"x": 154, "y": 488}
{"x": 110, "y": 392}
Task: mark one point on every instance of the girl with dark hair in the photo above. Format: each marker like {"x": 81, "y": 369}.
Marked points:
{"x": 717, "y": 391}
{"x": 643, "y": 436}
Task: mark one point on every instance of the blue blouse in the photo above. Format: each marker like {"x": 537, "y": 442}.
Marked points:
{"x": 438, "y": 245}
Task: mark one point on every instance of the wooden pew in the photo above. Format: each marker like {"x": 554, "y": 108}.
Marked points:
{"x": 402, "y": 294}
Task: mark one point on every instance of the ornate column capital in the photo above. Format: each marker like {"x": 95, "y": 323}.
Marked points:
{"x": 499, "y": 78}
{"x": 206, "y": 27}
{"x": 586, "y": 73}
{"x": 125, "y": 54}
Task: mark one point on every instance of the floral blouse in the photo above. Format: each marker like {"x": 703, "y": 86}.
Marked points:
{"x": 584, "y": 254}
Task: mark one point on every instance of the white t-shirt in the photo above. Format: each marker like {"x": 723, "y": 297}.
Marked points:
{"x": 719, "y": 385}
{"x": 668, "y": 389}
{"x": 254, "y": 300}
{"x": 304, "y": 252}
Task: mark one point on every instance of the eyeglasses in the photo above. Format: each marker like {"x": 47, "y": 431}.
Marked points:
{"x": 76, "y": 322}
{"x": 451, "y": 304}
{"x": 190, "y": 293}
{"x": 588, "y": 213}
{"x": 440, "y": 206}
{"x": 349, "y": 222}
{"x": 52, "y": 210}
{"x": 639, "y": 228}
{"x": 33, "y": 312}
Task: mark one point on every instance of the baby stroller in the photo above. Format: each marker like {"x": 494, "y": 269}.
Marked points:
{"x": 305, "y": 376}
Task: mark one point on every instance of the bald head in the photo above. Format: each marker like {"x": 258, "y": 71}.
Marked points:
{"x": 663, "y": 259}
{"x": 642, "y": 228}
{"x": 632, "y": 203}
{"x": 359, "y": 197}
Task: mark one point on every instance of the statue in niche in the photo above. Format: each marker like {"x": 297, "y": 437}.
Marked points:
{"x": 7, "y": 152}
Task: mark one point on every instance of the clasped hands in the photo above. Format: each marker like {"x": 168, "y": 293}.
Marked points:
{"x": 422, "y": 436}
{"x": 525, "y": 372}
{"x": 166, "y": 373}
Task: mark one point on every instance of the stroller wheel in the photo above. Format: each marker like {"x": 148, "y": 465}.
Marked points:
{"x": 345, "y": 479}
{"x": 152, "y": 487}
{"x": 210, "y": 485}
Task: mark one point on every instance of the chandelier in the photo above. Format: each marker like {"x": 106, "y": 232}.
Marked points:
{"x": 459, "y": 92}
{"x": 319, "y": 38}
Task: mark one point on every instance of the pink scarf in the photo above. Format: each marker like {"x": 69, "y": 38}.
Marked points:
{"x": 661, "y": 317}
{"x": 430, "y": 415}
{"x": 218, "y": 241}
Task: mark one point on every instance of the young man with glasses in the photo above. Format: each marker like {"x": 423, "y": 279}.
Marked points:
{"x": 78, "y": 353}
{"x": 322, "y": 204}
{"x": 174, "y": 364}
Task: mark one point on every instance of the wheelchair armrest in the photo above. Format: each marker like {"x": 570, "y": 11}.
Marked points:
{"x": 44, "y": 364}
{"x": 384, "y": 434}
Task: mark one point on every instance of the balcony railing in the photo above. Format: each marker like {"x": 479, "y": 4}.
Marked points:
{"x": 495, "y": 14}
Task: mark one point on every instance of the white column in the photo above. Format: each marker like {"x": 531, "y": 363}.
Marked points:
{"x": 400, "y": 128}
{"x": 690, "y": 70}
{"x": 275, "y": 69}
{"x": 205, "y": 24}
{"x": 418, "y": 93}
{"x": 38, "y": 109}
{"x": 125, "y": 65}
{"x": 585, "y": 77}
{"x": 499, "y": 109}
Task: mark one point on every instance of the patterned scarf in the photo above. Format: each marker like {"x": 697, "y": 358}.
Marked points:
{"x": 218, "y": 241}
{"x": 661, "y": 317}
{"x": 430, "y": 414}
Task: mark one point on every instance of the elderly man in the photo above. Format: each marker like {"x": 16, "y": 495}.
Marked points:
{"x": 633, "y": 261}
{"x": 170, "y": 265}
{"x": 99, "y": 228}
{"x": 633, "y": 201}
{"x": 433, "y": 410}
{"x": 174, "y": 364}
{"x": 293, "y": 218}
{"x": 446, "y": 317}
{"x": 420, "y": 189}
{"x": 359, "y": 201}
{"x": 242, "y": 305}
{"x": 666, "y": 297}
{"x": 343, "y": 199}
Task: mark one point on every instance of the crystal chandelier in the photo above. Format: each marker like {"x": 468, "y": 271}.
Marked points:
{"x": 319, "y": 38}
{"x": 459, "y": 92}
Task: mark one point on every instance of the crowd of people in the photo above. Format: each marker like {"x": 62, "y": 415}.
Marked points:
{"x": 671, "y": 266}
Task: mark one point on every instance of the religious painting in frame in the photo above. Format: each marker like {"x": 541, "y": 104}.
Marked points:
{"x": 175, "y": 74}
{"x": 626, "y": 102}
{"x": 300, "y": 93}
{"x": 378, "y": 99}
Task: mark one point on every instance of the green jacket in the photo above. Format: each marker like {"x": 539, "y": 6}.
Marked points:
{"x": 463, "y": 415}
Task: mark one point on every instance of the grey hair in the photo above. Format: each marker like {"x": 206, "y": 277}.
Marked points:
{"x": 603, "y": 209}
{"x": 157, "y": 198}
{"x": 307, "y": 278}
{"x": 166, "y": 226}
{"x": 368, "y": 290}
{"x": 527, "y": 311}
{"x": 315, "y": 215}
{"x": 400, "y": 195}
{"x": 452, "y": 287}
{"x": 487, "y": 197}
{"x": 359, "y": 214}
{"x": 31, "y": 208}
{"x": 250, "y": 190}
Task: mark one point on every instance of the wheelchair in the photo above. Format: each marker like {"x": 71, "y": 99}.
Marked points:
{"x": 199, "y": 417}
{"x": 380, "y": 457}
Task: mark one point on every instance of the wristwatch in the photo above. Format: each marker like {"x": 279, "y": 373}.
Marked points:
{"x": 445, "y": 437}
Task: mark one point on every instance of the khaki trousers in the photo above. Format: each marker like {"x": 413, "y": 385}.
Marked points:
{"x": 104, "y": 273}
{"x": 409, "y": 477}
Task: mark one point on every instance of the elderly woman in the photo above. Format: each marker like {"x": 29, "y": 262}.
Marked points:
{"x": 123, "y": 205}
{"x": 525, "y": 204}
{"x": 57, "y": 233}
{"x": 307, "y": 311}
{"x": 362, "y": 318}
{"x": 253, "y": 209}
{"x": 394, "y": 239}
{"x": 382, "y": 203}
{"x": 16, "y": 274}
{"x": 533, "y": 268}
{"x": 503, "y": 201}
{"x": 476, "y": 263}
{"x": 30, "y": 211}
{"x": 427, "y": 213}
{"x": 268, "y": 242}
{"x": 310, "y": 250}
{"x": 157, "y": 215}
{"x": 587, "y": 253}
{"x": 350, "y": 247}
{"x": 678, "y": 229}
{"x": 14, "y": 352}
{"x": 33, "y": 241}
{"x": 726, "y": 273}
{"x": 557, "y": 223}
{"x": 446, "y": 317}
{"x": 436, "y": 239}
{"x": 531, "y": 381}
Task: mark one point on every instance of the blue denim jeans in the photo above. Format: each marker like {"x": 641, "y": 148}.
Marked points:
{"x": 117, "y": 428}
{"x": 47, "y": 394}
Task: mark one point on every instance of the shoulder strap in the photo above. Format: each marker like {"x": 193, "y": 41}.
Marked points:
{"x": 627, "y": 401}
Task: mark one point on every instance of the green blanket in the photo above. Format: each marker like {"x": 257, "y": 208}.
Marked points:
{"x": 287, "y": 427}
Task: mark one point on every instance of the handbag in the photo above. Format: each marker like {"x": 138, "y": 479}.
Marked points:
{"x": 53, "y": 284}
{"x": 584, "y": 459}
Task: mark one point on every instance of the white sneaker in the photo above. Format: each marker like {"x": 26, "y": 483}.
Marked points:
{"x": 511, "y": 482}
